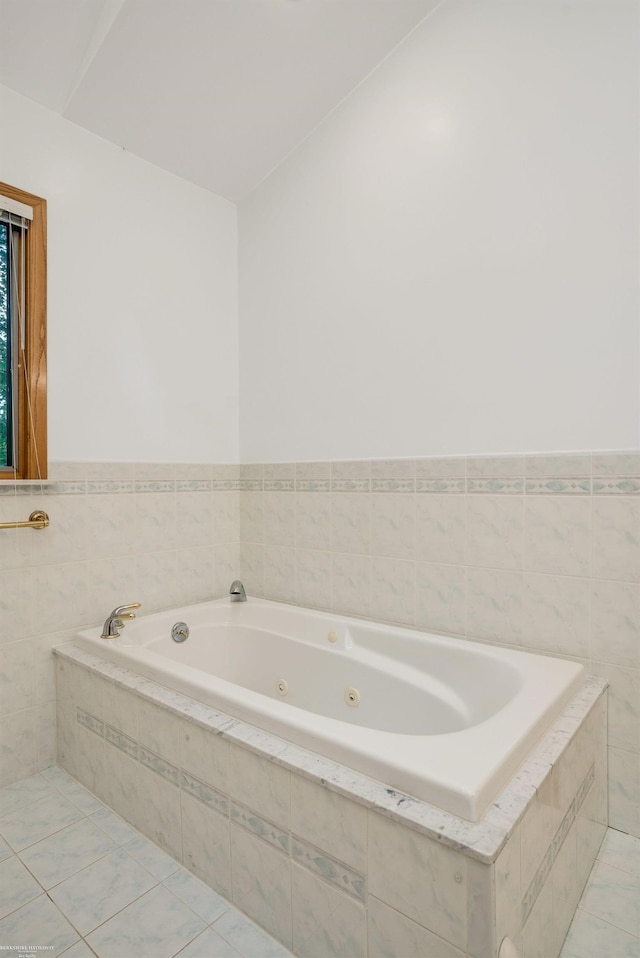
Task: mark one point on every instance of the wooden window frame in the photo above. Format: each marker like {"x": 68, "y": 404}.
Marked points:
{"x": 32, "y": 442}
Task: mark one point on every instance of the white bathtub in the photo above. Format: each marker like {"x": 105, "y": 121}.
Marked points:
{"x": 445, "y": 720}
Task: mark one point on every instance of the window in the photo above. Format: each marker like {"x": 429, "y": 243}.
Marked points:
{"x": 23, "y": 343}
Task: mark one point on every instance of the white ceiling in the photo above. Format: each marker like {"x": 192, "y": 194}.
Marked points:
{"x": 216, "y": 91}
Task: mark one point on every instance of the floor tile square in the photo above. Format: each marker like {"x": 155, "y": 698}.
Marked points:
{"x": 96, "y": 893}
{"x": 115, "y": 827}
{"x": 66, "y": 852}
{"x": 199, "y": 897}
{"x": 621, "y": 850}
{"x": 209, "y": 945}
{"x": 157, "y": 925}
{"x": 17, "y": 886}
{"x": 247, "y": 938}
{"x": 38, "y": 820}
{"x": 590, "y": 937}
{"x": 153, "y": 858}
{"x": 83, "y": 798}
{"x": 57, "y": 776}
{"x": 38, "y": 923}
{"x": 614, "y": 896}
{"x": 16, "y": 796}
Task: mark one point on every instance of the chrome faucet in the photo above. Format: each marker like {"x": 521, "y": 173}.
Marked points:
{"x": 237, "y": 592}
{"x": 115, "y": 621}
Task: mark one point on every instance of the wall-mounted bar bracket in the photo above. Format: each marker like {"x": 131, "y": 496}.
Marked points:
{"x": 37, "y": 520}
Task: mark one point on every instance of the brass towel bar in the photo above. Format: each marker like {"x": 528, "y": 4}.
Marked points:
{"x": 37, "y": 520}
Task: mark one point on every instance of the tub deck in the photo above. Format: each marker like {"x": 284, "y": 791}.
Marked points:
{"x": 445, "y": 720}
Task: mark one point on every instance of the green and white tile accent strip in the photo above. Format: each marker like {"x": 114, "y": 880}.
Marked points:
{"x": 317, "y": 861}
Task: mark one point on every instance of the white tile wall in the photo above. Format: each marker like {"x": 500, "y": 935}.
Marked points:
{"x": 261, "y": 883}
{"x": 206, "y": 849}
{"x": 329, "y": 821}
{"x": 540, "y": 552}
{"x": 325, "y": 922}
{"x": 155, "y": 533}
{"x": 416, "y": 876}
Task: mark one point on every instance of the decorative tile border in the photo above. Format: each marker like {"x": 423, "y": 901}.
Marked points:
{"x": 445, "y": 485}
{"x": 9, "y": 488}
{"x": 160, "y": 766}
{"x": 614, "y": 474}
{"x": 205, "y": 793}
{"x": 261, "y": 827}
{"x": 393, "y": 485}
{"x": 55, "y": 488}
{"x": 279, "y": 485}
{"x": 492, "y": 485}
{"x": 251, "y": 485}
{"x": 496, "y": 486}
{"x": 177, "y": 776}
{"x": 155, "y": 485}
{"x": 563, "y": 828}
{"x": 90, "y": 722}
{"x": 110, "y": 487}
{"x": 556, "y": 844}
{"x": 225, "y": 485}
{"x": 313, "y": 485}
{"x": 617, "y": 486}
{"x": 537, "y": 883}
{"x": 583, "y": 791}
{"x": 126, "y": 744}
{"x": 314, "y": 859}
{"x": 333, "y": 871}
{"x": 350, "y": 485}
{"x": 193, "y": 485}
{"x": 554, "y": 486}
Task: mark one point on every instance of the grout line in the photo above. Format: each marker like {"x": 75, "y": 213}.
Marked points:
{"x": 58, "y": 788}
{"x": 605, "y": 921}
{"x": 87, "y": 817}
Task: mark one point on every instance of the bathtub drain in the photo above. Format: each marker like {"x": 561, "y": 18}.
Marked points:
{"x": 180, "y": 632}
{"x": 283, "y": 687}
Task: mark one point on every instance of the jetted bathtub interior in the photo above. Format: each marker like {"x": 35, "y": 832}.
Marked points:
{"x": 446, "y": 720}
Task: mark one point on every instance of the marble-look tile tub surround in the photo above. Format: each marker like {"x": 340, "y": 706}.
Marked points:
{"x": 326, "y": 860}
{"x": 159, "y": 534}
{"x": 540, "y": 552}
{"x": 564, "y": 578}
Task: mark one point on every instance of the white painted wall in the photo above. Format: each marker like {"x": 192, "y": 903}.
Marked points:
{"x": 449, "y": 264}
{"x": 142, "y": 304}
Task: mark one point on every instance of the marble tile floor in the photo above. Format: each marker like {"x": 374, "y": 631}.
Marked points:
{"x": 77, "y": 878}
{"x": 607, "y": 922}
